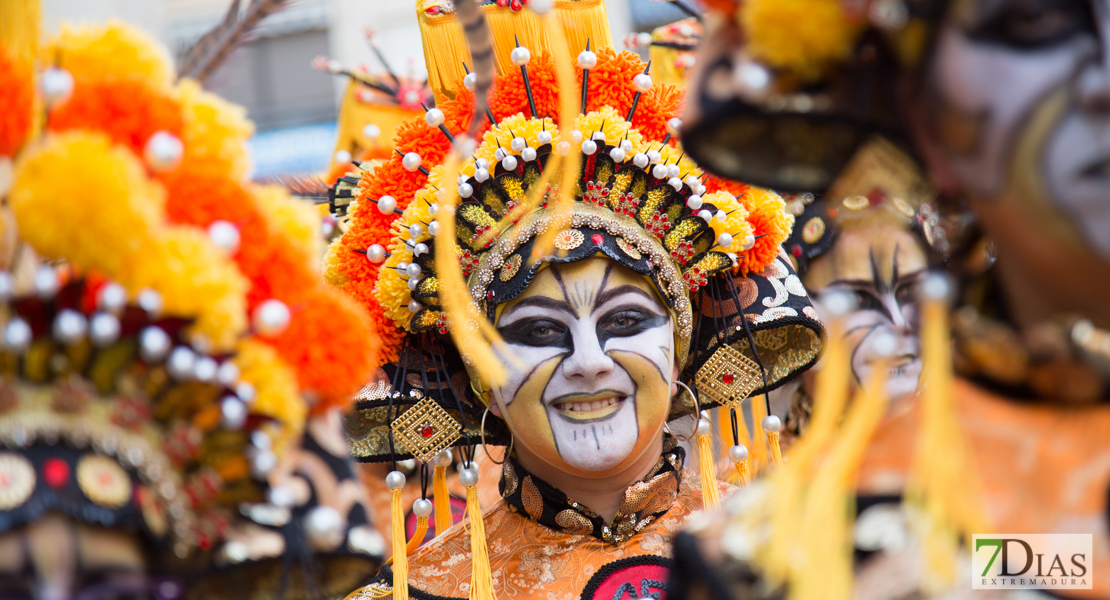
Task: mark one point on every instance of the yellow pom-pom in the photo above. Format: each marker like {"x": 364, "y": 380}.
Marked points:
{"x": 215, "y": 133}
{"x": 275, "y": 385}
{"x": 111, "y": 50}
{"x": 800, "y": 36}
{"x": 612, "y": 124}
{"x": 736, "y": 221}
{"x": 298, "y": 221}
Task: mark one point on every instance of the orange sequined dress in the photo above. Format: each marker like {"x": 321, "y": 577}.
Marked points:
{"x": 544, "y": 545}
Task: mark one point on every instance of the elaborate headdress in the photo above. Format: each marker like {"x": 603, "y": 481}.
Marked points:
{"x": 162, "y": 361}
{"x": 578, "y": 159}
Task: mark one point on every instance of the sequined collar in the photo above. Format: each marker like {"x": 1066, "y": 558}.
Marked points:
{"x": 644, "y": 501}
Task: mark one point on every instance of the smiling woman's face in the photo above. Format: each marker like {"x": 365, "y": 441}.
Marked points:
{"x": 596, "y": 352}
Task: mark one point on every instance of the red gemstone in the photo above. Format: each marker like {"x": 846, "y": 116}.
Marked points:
{"x": 56, "y": 472}
{"x": 427, "y": 431}
{"x": 597, "y": 239}
{"x": 515, "y": 5}
{"x": 432, "y": 10}
{"x": 728, "y": 378}
{"x": 796, "y": 250}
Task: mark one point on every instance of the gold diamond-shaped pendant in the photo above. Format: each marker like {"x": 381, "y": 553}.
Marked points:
{"x": 728, "y": 377}
{"x": 426, "y": 429}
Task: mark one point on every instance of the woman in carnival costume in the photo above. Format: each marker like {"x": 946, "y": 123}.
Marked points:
{"x": 166, "y": 341}
{"x": 559, "y": 289}
{"x": 1004, "y": 105}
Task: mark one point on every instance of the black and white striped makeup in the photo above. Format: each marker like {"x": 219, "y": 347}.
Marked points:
{"x": 596, "y": 345}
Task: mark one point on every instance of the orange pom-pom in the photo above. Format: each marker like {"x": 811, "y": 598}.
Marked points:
{"x": 16, "y": 103}
{"x": 509, "y": 96}
{"x": 770, "y": 222}
{"x": 127, "y": 110}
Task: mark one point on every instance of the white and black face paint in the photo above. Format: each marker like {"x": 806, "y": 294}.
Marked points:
{"x": 597, "y": 347}
{"x": 1001, "y": 66}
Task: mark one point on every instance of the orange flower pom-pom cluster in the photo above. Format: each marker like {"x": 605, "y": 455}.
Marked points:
{"x": 770, "y": 222}
{"x": 128, "y": 111}
{"x": 16, "y": 103}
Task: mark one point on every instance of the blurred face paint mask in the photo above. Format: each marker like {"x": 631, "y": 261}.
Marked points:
{"x": 596, "y": 347}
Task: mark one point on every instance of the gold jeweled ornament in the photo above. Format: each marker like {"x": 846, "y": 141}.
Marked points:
{"x": 103, "y": 481}
{"x": 511, "y": 268}
{"x": 426, "y": 429}
{"x": 813, "y": 230}
{"x": 728, "y": 377}
{"x": 17, "y": 480}
{"x": 569, "y": 239}
{"x": 629, "y": 249}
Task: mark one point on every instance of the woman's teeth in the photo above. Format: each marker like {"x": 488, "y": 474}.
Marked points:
{"x": 589, "y": 406}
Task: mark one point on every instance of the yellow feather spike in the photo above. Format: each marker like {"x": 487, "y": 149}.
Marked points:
{"x": 943, "y": 483}
{"x": 825, "y": 573}
{"x": 710, "y": 494}
{"x": 442, "y": 499}
{"x": 481, "y": 577}
{"x": 418, "y": 535}
{"x": 400, "y": 550}
{"x": 19, "y": 28}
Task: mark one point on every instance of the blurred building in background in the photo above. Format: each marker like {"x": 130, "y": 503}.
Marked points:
{"x": 293, "y": 105}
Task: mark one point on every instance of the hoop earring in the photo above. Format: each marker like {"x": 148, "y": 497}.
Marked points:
{"x": 697, "y": 414}
{"x": 482, "y": 433}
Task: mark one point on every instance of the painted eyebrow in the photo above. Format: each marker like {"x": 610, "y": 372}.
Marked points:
{"x": 542, "y": 302}
{"x": 608, "y": 295}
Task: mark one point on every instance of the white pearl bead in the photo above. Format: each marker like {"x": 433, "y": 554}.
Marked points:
{"x": 104, "y": 329}
{"x": 70, "y": 326}
{"x": 528, "y": 154}
{"x": 654, "y": 157}
{"x": 17, "y": 335}
{"x": 772, "y": 424}
{"x": 233, "y": 413}
{"x": 724, "y": 240}
{"x": 617, "y": 155}
{"x": 705, "y": 215}
{"x": 402, "y": 266}
{"x": 224, "y": 235}
{"x": 721, "y": 216}
{"x": 481, "y": 163}
{"x": 626, "y": 145}
{"x": 470, "y": 81}
{"x": 416, "y": 230}
{"x": 672, "y": 170}
{"x": 598, "y": 136}
{"x": 323, "y": 525}
{"x": 246, "y": 391}
{"x": 692, "y": 181}
{"x": 414, "y": 306}
{"x": 432, "y": 208}
{"x": 262, "y": 463}
{"x": 56, "y": 86}
{"x": 433, "y": 228}
{"x": 481, "y": 175}
{"x": 700, "y": 190}
{"x": 411, "y": 161}
{"x": 342, "y": 157}
{"x": 518, "y": 144}
{"x": 589, "y": 147}
{"x": 675, "y": 182}
{"x": 181, "y": 362}
{"x": 413, "y": 270}
{"x": 413, "y": 282}
{"x": 421, "y": 248}
{"x": 154, "y": 344}
{"x": 434, "y": 117}
{"x": 271, "y": 317}
{"x": 587, "y": 60}
{"x": 936, "y": 286}
{"x": 541, "y": 7}
{"x": 838, "y": 303}
{"x": 704, "y": 428}
{"x": 205, "y": 369}
{"x": 500, "y": 154}
{"x": 163, "y": 151}
{"x": 7, "y": 283}
{"x": 520, "y": 56}
{"x": 576, "y": 135}
{"x": 228, "y": 373}
{"x": 562, "y": 148}
{"x": 422, "y": 507}
{"x": 659, "y": 171}
{"x": 466, "y": 190}
{"x": 674, "y": 125}
{"x": 387, "y": 205}
{"x": 46, "y": 282}
{"x": 443, "y": 459}
{"x": 642, "y": 82}
{"x": 738, "y": 453}
{"x": 543, "y": 137}
{"x": 395, "y": 480}
{"x": 112, "y": 298}
{"x": 468, "y": 477}
{"x": 509, "y": 163}
{"x": 261, "y": 440}
{"x": 641, "y": 160}
{"x": 151, "y": 302}
{"x": 694, "y": 202}
{"x": 375, "y": 253}
{"x": 372, "y": 132}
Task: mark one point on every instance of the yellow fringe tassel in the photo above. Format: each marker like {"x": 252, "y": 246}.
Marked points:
{"x": 943, "y": 483}
{"x": 418, "y": 535}
{"x": 400, "y": 549}
{"x": 19, "y": 28}
{"x": 743, "y": 474}
{"x": 442, "y": 498}
{"x": 508, "y": 26}
{"x": 710, "y": 494}
{"x": 583, "y": 20}
{"x": 445, "y": 51}
{"x": 481, "y": 576}
{"x": 825, "y": 570}
{"x": 776, "y": 450}
{"x": 759, "y": 453}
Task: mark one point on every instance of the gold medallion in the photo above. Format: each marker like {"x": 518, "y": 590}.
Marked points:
{"x": 569, "y": 239}
{"x": 103, "y": 481}
{"x": 17, "y": 480}
{"x": 511, "y": 268}
{"x": 813, "y": 230}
